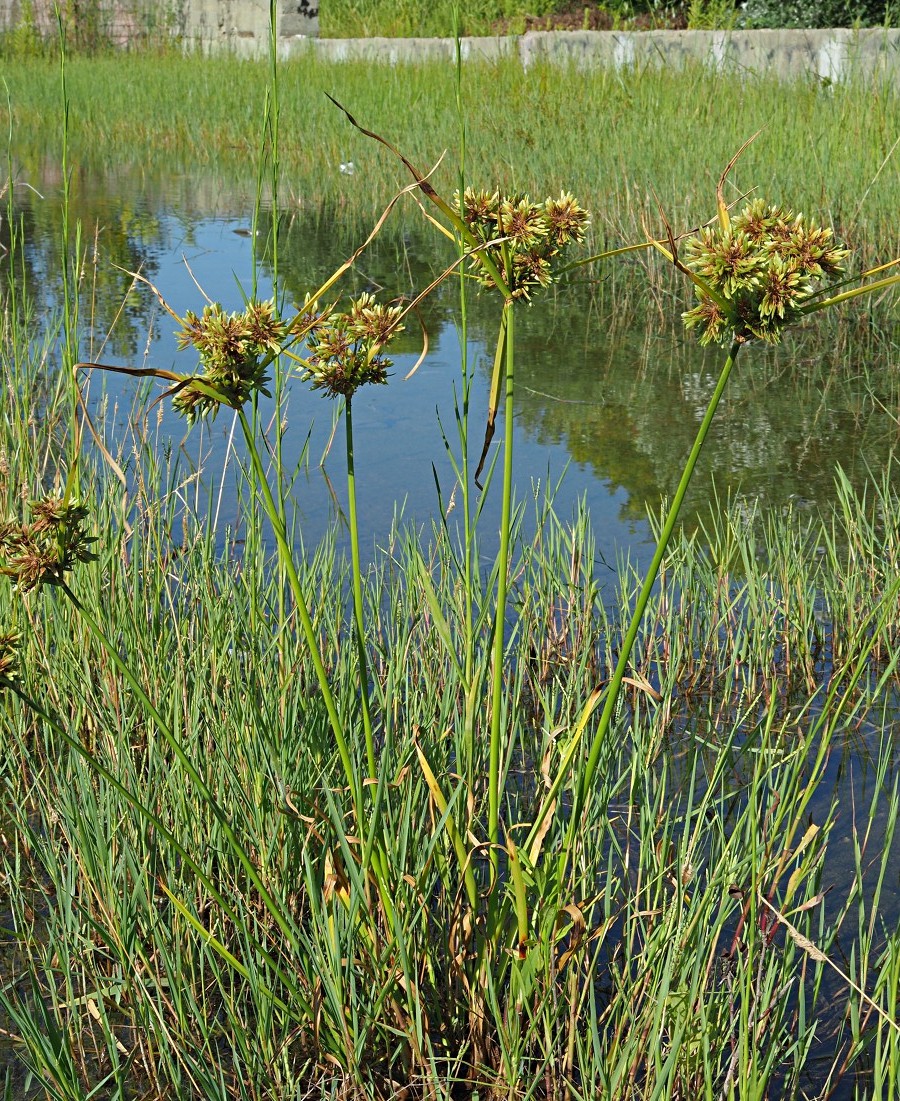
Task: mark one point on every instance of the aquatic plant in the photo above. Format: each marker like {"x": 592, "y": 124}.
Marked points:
{"x": 481, "y": 889}
{"x": 235, "y": 350}
{"x": 43, "y": 551}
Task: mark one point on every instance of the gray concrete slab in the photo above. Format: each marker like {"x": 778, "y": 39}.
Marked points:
{"x": 242, "y": 28}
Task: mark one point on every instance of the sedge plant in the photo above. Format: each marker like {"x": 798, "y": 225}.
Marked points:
{"x": 754, "y": 276}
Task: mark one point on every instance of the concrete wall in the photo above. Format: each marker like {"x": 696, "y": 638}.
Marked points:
{"x": 831, "y": 55}
{"x": 241, "y": 26}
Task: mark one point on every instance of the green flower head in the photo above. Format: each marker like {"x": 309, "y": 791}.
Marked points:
{"x": 524, "y": 239}
{"x": 45, "y": 550}
{"x": 755, "y": 276}
{"x": 235, "y": 350}
{"x": 344, "y": 348}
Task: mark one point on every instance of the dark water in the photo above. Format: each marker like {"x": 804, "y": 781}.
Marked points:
{"x": 609, "y": 391}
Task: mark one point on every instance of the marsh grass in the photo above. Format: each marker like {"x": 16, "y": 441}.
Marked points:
{"x": 825, "y": 148}
{"x": 704, "y": 796}
{"x": 263, "y": 839}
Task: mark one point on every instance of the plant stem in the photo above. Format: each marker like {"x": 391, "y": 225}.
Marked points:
{"x": 650, "y": 580}
{"x": 612, "y": 693}
{"x": 463, "y": 431}
{"x": 287, "y": 560}
{"x": 357, "y": 592}
{"x": 502, "y": 582}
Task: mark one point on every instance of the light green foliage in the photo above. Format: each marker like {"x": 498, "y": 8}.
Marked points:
{"x": 427, "y": 18}
{"x": 711, "y": 15}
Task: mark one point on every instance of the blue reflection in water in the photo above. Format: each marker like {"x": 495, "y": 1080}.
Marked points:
{"x": 397, "y": 428}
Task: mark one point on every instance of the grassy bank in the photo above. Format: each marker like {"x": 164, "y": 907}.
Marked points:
{"x": 609, "y": 136}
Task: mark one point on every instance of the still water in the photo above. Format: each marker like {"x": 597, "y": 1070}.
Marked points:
{"x": 609, "y": 390}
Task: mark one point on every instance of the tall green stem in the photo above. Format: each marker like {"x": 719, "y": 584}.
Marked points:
{"x": 463, "y": 431}
{"x": 587, "y": 777}
{"x": 287, "y": 560}
{"x": 502, "y": 583}
{"x": 357, "y": 591}
{"x": 612, "y": 692}
{"x": 69, "y": 266}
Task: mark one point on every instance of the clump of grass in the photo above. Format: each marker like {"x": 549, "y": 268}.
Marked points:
{"x": 547, "y": 845}
{"x": 699, "y": 794}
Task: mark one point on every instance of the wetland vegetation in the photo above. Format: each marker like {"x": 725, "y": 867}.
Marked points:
{"x": 473, "y": 816}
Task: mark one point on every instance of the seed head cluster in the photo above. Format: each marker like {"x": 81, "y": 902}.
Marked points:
{"x": 9, "y": 660}
{"x": 535, "y": 235}
{"x": 760, "y": 272}
{"x": 44, "y": 551}
{"x": 345, "y": 348}
{"x": 235, "y": 350}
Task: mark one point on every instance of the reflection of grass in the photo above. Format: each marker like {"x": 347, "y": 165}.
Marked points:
{"x": 627, "y": 408}
{"x": 606, "y": 135}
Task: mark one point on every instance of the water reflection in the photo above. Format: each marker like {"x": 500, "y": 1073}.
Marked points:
{"x": 608, "y": 390}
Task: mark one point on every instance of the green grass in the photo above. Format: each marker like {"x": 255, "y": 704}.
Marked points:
{"x": 702, "y": 800}
{"x": 352, "y": 19}
{"x": 613, "y": 138}
{"x": 273, "y": 825}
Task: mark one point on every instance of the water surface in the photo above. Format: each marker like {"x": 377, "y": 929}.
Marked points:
{"x": 609, "y": 390}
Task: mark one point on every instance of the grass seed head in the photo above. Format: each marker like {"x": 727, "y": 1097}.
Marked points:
{"x": 45, "y": 550}
{"x": 344, "y": 348}
{"x": 532, "y": 235}
{"x": 234, "y": 351}
{"x": 760, "y": 271}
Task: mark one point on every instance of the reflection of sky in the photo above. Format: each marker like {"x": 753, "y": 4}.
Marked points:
{"x": 398, "y": 442}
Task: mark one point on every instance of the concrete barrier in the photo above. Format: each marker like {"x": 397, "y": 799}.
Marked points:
{"x": 828, "y": 55}
{"x": 393, "y": 51}
{"x": 237, "y": 26}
